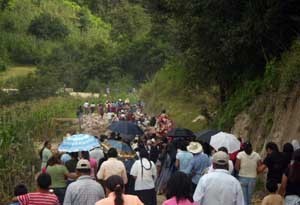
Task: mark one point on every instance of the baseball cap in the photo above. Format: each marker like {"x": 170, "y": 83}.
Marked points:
{"x": 220, "y": 158}
{"x": 83, "y": 164}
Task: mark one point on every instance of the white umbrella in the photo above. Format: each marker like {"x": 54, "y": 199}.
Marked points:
{"x": 223, "y": 139}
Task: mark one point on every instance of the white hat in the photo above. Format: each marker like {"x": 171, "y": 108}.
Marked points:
{"x": 194, "y": 147}
{"x": 220, "y": 158}
{"x": 83, "y": 164}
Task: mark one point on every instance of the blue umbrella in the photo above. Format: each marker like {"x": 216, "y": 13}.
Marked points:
{"x": 78, "y": 142}
{"x": 128, "y": 129}
{"x": 124, "y": 150}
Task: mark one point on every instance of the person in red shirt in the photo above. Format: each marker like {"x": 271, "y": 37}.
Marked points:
{"x": 42, "y": 196}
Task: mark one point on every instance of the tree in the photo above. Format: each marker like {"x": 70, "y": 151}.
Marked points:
{"x": 46, "y": 26}
{"x": 229, "y": 42}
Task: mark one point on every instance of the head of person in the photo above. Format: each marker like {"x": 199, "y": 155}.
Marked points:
{"x": 182, "y": 145}
{"x": 220, "y": 160}
{"x": 195, "y": 148}
{"x": 44, "y": 181}
{"x": 272, "y": 186}
{"x": 85, "y": 155}
{"x": 180, "y": 186}
{"x": 248, "y": 148}
{"x": 20, "y": 189}
{"x": 83, "y": 167}
{"x": 206, "y": 148}
{"x": 112, "y": 153}
{"x": 143, "y": 153}
{"x": 115, "y": 184}
{"x": 271, "y": 147}
{"x": 288, "y": 148}
{"x": 74, "y": 155}
{"x": 223, "y": 149}
{"x": 47, "y": 144}
{"x": 54, "y": 159}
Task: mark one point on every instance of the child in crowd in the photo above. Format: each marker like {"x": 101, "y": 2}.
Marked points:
{"x": 19, "y": 190}
{"x": 272, "y": 198}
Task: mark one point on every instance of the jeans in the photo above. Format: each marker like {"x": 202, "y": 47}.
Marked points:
{"x": 248, "y": 185}
{"x": 292, "y": 200}
{"x": 60, "y": 193}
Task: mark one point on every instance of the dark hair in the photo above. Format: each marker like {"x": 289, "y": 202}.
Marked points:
{"x": 223, "y": 149}
{"x": 288, "y": 148}
{"x": 272, "y": 146}
{"x": 182, "y": 145}
{"x": 115, "y": 184}
{"x": 112, "y": 152}
{"x": 271, "y": 186}
{"x": 180, "y": 186}
{"x": 85, "y": 155}
{"x": 294, "y": 169}
{"x": 206, "y": 148}
{"x": 20, "y": 189}
{"x": 248, "y": 148}
{"x": 74, "y": 155}
{"x": 44, "y": 181}
{"x": 41, "y": 150}
{"x": 55, "y": 159}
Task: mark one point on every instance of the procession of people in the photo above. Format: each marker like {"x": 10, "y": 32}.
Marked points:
{"x": 144, "y": 156}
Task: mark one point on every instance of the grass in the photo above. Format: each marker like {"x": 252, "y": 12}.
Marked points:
{"x": 15, "y": 72}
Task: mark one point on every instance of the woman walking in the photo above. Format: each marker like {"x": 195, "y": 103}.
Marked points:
{"x": 45, "y": 153}
{"x": 59, "y": 174}
{"x": 290, "y": 183}
{"x": 246, "y": 163}
{"x": 144, "y": 172}
{"x": 179, "y": 189}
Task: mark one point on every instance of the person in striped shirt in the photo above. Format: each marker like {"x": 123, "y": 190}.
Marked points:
{"x": 42, "y": 196}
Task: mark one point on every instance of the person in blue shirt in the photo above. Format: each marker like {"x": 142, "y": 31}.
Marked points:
{"x": 198, "y": 164}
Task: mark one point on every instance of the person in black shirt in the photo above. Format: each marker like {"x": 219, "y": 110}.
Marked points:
{"x": 290, "y": 184}
{"x": 287, "y": 152}
{"x": 274, "y": 162}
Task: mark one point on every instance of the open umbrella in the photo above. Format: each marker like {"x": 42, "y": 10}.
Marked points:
{"x": 128, "y": 130}
{"x": 223, "y": 139}
{"x": 78, "y": 142}
{"x": 180, "y": 132}
{"x": 124, "y": 150}
{"x": 205, "y": 135}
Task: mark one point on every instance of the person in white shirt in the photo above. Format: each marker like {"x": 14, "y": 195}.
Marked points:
{"x": 112, "y": 166}
{"x": 219, "y": 187}
{"x": 144, "y": 172}
{"x": 97, "y": 153}
{"x": 247, "y": 163}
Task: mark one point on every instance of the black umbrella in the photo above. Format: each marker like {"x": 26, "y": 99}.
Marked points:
{"x": 180, "y": 132}
{"x": 205, "y": 135}
{"x": 127, "y": 129}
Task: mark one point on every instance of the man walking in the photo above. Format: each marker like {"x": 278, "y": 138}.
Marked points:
{"x": 85, "y": 190}
{"x": 219, "y": 187}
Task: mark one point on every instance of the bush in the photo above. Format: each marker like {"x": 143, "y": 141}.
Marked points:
{"x": 46, "y": 27}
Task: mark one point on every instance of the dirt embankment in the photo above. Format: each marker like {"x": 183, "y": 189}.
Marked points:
{"x": 272, "y": 117}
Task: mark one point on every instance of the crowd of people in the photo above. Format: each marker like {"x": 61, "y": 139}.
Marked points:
{"x": 184, "y": 170}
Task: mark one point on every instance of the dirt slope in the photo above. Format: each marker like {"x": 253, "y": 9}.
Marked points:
{"x": 272, "y": 117}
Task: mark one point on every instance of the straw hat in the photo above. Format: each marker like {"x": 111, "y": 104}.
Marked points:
{"x": 194, "y": 147}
